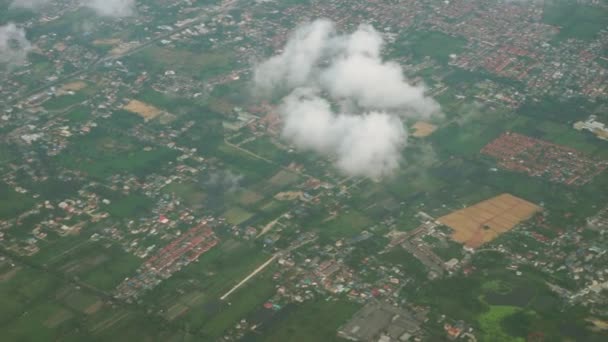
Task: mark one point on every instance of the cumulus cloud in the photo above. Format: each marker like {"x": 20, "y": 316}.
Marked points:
{"x": 14, "y": 45}
{"x": 111, "y": 8}
{"x": 366, "y": 144}
{"x": 294, "y": 66}
{"x": 322, "y": 70}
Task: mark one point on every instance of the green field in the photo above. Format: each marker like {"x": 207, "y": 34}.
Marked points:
{"x": 312, "y": 321}
{"x": 194, "y": 64}
{"x": 13, "y": 203}
{"x": 100, "y": 155}
{"x": 490, "y": 324}
{"x": 129, "y": 207}
{"x": 434, "y": 44}
{"x": 110, "y": 273}
{"x": 346, "y": 224}
{"x": 191, "y": 193}
{"x": 236, "y": 215}
{"x": 575, "y": 20}
{"x": 242, "y": 302}
{"x": 65, "y": 101}
{"x": 264, "y": 147}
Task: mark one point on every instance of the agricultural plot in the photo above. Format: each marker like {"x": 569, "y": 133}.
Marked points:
{"x": 146, "y": 111}
{"x": 237, "y": 215}
{"x": 423, "y": 129}
{"x": 485, "y": 221}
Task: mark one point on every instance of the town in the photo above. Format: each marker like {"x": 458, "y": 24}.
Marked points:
{"x": 148, "y": 193}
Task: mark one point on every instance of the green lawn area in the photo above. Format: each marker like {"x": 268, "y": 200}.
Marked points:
{"x": 312, "y": 321}
{"x": 64, "y": 101}
{"x": 23, "y": 286}
{"x": 575, "y": 20}
{"x": 567, "y": 136}
{"x": 252, "y": 295}
{"x": 129, "y": 207}
{"x": 79, "y": 301}
{"x": 101, "y": 154}
{"x": 78, "y": 114}
{"x": 189, "y": 192}
{"x": 107, "y": 275}
{"x": 181, "y": 60}
{"x": 264, "y": 147}
{"x": 13, "y": 203}
{"x": 437, "y": 45}
{"x": 490, "y": 323}
{"x": 38, "y": 324}
{"x": 252, "y": 168}
{"x": 347, "y": 224}
{"x": 237, "y": 215}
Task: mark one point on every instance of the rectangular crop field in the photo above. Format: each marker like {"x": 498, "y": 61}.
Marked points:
{"x": 486, "y": 220}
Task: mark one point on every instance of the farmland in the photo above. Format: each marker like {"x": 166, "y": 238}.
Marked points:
{"x": 484, "y": 221}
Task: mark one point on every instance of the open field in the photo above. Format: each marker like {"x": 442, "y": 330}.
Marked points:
{"x": 189, "y": 192}
{"x": 435, "y": 44}
{"x": 347, "y": 224}
{"x": 423, "y": 129}
{"x": 484, "y": 221}
{"x": 311, "y": 321}
{"x": 99, "y": 155}
{"x": 181, "y": 60}
{"x": 13, "y": 203}
{"x": 237, "y": 215}
{"x": 249, "y": 197}
{"x": 146, "y": 111}
{"x": 575, "y": 20}
{"x": 74, "y": 86}
{"x": 490, "y": 323}
{"x": 105, "y": 42}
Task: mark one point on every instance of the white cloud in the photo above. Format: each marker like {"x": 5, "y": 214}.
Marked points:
{"x": 111, "y": 8}
{"x": 365, "y": 145}
{"x": 14, "y": 45}
{"x": 295, "y": 65}
{"x": 374, "y": 84}
{"x": 320, "y": 68}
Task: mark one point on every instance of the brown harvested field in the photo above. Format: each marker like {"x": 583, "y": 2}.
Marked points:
{"x": 288, "y": 195}
{"x": 142, "y": 109}
{"x": 109, "y": 41}
{"x": 423, "y": 129}
{"x": 74, "y": 86}
{"x": 484, "y": 221}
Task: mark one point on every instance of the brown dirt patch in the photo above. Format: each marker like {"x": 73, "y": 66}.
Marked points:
{"x": 288, "y": 195}
{"x": 146, "y": 111}
{"x": 74, "y": 86}
{"x": 423, "y": 129}
{"x": 484, "y": 221}
{"x": 110, "y": 41}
